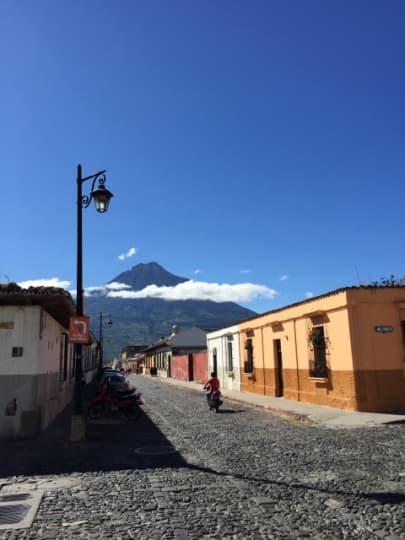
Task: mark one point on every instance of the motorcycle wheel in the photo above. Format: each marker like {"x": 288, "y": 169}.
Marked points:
{"x": 132, "y": 412}
{"x": 95, "y": 411}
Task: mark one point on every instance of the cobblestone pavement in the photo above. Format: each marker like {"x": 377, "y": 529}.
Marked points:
{"x": 183, "y": 472}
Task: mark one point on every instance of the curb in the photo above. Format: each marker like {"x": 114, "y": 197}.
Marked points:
{"x": 278, "y": 412}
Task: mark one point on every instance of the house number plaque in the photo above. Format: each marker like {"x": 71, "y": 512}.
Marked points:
{"x": 383, "y": 329}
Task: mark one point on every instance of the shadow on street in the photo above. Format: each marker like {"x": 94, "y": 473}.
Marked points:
{"x": 116, "y": 444}
{"x": 230, "y": 411}
{"x": 383, "y": 497}
{"x": 112, "y": 443}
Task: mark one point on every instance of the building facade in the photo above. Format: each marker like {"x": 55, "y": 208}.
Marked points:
{"x": 36, "y": 359}
{"x": 223, "y": 356}
{"x": 343, "y": 349}
{"x": 176, "y": 355}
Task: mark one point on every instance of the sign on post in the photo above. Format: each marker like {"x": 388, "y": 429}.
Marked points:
{"x": 79, "y": 329}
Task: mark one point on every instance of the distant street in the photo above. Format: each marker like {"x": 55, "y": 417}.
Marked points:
{"x": 185, "y": 472}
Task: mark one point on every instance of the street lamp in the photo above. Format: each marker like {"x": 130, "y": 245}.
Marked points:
{"x": 101, "y": 344}
{"x": 101, "y": 197}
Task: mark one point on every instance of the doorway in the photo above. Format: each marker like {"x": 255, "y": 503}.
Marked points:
{"x": 214, "y": 362}
{"x": 190, "y": 367}
{"x": 169, "y": 365}
{"x": 279, "y": 390}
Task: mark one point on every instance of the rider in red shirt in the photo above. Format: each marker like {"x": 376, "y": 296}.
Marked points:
{"x": 212, "y": 385}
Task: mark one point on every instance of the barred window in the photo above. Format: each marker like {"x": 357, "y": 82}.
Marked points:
{"x": 248, "y": 364}
{"x": 229, "y": 355}
{"x": 318, "y": 366}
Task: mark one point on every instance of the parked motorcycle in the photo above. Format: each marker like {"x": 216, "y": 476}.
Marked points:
{"x": 214, "y": 401}
{"x": 127, "y": 403}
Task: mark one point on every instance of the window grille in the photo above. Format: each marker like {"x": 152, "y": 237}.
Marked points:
{"x": 318, "y": 366}
{"x": 248, "y": 364}
{"x": 229, "y": 356}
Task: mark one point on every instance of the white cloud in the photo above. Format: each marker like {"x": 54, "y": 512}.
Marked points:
{"x": 198, "y": 290}
{"x": 247, "y": 271}
{"x": 91, "y": 289}
{"x": 284, "y": 277}
{"x": 309, "y": 294}
{"x": 115, "y": 285}
{"x": 198, "y": 271}
{"x": 103, "y": 289}
{"x": 51, "y": 282}
{"x": 130, "y": 253}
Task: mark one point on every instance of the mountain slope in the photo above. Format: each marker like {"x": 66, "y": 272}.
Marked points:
{"x": 145, "y": 320}
{"x": 142, "y": 275}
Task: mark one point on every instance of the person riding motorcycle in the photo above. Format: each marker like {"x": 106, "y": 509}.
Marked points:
{"x": 211, "y": 386}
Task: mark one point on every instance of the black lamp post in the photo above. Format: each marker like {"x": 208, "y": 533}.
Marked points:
{"x": 101, "y": 344}
{"x": 101, "y": 197}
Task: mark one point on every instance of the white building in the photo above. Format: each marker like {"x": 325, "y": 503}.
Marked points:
{"x": 36, "y": 360}
{"x": 223, "y": 356}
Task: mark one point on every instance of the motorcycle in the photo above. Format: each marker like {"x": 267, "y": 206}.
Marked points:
{"x": 214, "y": 400}
{"x": 126, "y": 402}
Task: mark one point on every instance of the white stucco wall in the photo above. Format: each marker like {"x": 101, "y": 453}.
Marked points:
{"x": 49, "y": 345}
{"x": 219, "y": 340}
{"x": 25, "y": 333}
{"x": 33, "y": 379}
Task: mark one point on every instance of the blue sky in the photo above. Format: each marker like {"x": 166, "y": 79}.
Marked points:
{"x": 255, "y": 142}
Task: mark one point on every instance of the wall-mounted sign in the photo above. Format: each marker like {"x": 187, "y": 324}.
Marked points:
{"x": 79, "y": 328}
{"x": 6, "y": 325}
{"x": 383, "y": 329}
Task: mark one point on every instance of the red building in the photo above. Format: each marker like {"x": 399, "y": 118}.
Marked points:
{"x": 182, "y": 355}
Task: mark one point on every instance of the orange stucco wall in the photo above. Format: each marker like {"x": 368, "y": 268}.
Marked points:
{"x": 366, "y": 369}
{"x": 379, "y": 358}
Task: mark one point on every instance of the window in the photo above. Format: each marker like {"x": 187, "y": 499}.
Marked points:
{"x": 72, "y": 362}
{"x": 17, "y": 351}
{"x": 318, "y": 367}
{"x": 63, "y": 360}
{"x": 229, "y": 354}
{"x": 94, "y": 358}
{"x": 214, "y": 360}
{"x": 403, "y": 330}
{"x": 248, "y": 364}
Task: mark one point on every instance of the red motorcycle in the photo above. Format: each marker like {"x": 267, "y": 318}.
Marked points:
{"x": 127, "y": 403}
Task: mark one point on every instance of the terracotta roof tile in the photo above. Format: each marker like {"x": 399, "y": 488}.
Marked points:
{"x": 57, "y": 301}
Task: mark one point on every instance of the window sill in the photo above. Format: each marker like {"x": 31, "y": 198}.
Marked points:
{"x": 319, "y": 379}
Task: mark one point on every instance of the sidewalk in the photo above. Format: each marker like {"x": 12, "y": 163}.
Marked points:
{"x": 316, "y": 414}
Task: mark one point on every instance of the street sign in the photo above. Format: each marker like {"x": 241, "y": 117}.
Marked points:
{"x": 383, "y": 329}
{"x": 79, "y": 329}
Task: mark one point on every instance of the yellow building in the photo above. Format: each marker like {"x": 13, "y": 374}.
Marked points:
{"x": 344, "y": 349}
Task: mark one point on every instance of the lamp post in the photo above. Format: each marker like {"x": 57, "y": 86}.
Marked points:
{"x": 101, "y": 344}
{"x": 101, "y": 197}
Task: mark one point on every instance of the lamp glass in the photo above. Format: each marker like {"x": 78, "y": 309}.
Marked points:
{"x": 101, "y": 197}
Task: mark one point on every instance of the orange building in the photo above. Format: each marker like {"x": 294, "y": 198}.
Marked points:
{"x": 344, "y": 349}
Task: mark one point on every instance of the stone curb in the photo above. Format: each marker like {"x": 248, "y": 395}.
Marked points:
{"x": 278, "y": 412}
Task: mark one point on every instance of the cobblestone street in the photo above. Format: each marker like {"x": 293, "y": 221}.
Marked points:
{"x": 183, "y": 472}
